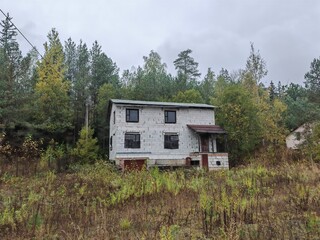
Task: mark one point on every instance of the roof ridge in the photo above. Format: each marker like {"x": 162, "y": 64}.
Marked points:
{"x": 143, "y": 102}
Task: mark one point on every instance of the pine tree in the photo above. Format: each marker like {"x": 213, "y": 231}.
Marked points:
{"x": 52, "y": 102}
{"x": 10, "y": 59}
{"x": 272, "y": 91}
{"x": 103, "y": 70}
{"x": 86, "y": 150}
{"x": 106, "y": 92}
{"x": 312, "y": 82}
{"x": 187, "y": 70}
{"x": 256, "y": 65}
{"x": 81, "y": 85}
{"x": 207, "y": 86}
{"x": 70, "y": 51}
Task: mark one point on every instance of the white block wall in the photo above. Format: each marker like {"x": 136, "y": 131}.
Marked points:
{"x": 152, "y": 128}
{"x": 213, "y": 160}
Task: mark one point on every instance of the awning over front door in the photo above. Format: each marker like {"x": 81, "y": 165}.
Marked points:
{"x": 207, "y": 129}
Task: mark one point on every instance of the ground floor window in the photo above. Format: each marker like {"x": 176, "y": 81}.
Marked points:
{"x": 132, "y": 140}
{"x": 171, "y": 141}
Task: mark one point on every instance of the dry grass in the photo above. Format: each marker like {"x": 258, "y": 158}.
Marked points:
{"x": 97, "y": 202}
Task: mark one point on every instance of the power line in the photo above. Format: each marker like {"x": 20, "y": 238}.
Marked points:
{"x": 7, "y": 17}
{"x": 33, "y": 47}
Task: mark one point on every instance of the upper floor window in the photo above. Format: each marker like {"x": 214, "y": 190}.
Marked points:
{"x": 132, "y": 140}
{"x": 132, "y": 115}
{"x": 170, "y": 116}
{"x": 171, "y": 141}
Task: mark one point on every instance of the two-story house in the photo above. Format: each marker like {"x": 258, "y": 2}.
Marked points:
{"x": 165, "y": 134}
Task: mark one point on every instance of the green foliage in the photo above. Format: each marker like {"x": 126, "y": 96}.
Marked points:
{"x": 81, "y": 84}
{"x": 207, "y": 86}
{"x": 188, "y": 96}
{"x": 54, "y": 157}
{"x": 271, "y": 119}
{"x": 252, "y": 115}
{"x": 169, "y": 232}
{"x": 150, "y": 82}
{"x": 125, "y": 224}
{"x": 311, "y": 147}
{"x": 237, "y": 114}
{"x": 86, "y": 150}
{"x": 313, "y": 81}
{"x": 15, "y": 77}
{"x": 52, "y": 104}
{"x": 52, "y": 97}
{"x": 103, "y": 70}
{"x": 106, "y": 92}
{"x": 299, "y": 109}
{"x": 30, "y": 149}
{"x": 256, "y": 65}
{"x": 237, "y": 204}
{"x": 187, "y": 69}
{"x": 313, "y": 223}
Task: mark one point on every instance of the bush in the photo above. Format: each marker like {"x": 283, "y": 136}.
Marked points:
{"x": 86, "y": 150}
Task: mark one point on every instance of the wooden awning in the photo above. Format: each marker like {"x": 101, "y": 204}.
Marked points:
{"x": 207, "y": 129}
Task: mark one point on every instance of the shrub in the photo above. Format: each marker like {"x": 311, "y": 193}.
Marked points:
{"x": 86, "y": 150}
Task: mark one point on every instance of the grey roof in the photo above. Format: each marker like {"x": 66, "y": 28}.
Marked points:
{"x": 161, "y": 104}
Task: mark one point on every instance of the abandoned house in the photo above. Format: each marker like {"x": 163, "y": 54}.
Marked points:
{"x": 165, "y": 134}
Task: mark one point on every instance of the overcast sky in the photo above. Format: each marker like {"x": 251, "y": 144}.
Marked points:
{"x": 219, "y": 32}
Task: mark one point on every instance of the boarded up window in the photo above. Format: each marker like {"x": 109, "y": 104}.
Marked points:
{"x": 132, "y": 140}
{"x": 171, "y": 141}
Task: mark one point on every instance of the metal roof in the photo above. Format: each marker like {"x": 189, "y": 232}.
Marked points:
{"x": 207, "y": 129}
{"x": 162, "y": 104}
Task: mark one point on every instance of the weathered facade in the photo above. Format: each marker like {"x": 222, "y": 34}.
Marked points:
{"x": 297, "y": 136}
{"x": 165, "y": 134}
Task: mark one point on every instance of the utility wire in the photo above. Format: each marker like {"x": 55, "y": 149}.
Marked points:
{"x": 7, "y": 17}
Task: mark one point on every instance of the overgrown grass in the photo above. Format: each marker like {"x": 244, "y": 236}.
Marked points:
{"x": 97, "y": 202}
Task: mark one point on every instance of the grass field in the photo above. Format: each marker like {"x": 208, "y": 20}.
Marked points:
{"x": 97, "y": 202}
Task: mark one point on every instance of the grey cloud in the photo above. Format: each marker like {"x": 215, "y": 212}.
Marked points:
{"x": 219, "y": 32}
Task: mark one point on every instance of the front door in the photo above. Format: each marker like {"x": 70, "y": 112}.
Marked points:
{"x": 204, "y": 160}
{"x": 205, "y": 143}
{"x": 204, "y": 149}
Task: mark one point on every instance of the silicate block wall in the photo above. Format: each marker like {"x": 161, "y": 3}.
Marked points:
{"x": 152, "y": 128}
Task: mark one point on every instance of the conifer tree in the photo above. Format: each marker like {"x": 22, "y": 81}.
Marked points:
{"x": 10, "y": 59}
{"x": 187, "y": 70}
{"x": 256, "y": 65}
{"x": 52, "y": 102}
{"x": 86, "y": 150}
{"x": 312, "y": 82}
{"x": 207, "y": 86}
